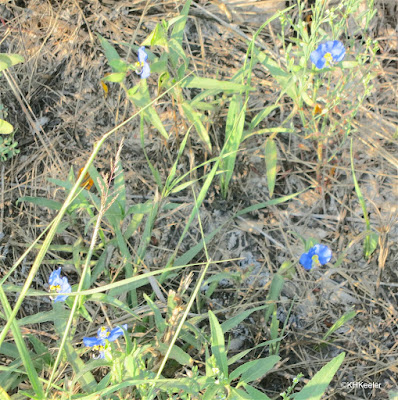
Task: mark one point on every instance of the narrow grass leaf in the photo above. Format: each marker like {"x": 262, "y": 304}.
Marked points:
{"x": 317, "y": 386}
{"x": 254, "y": 370}
{"x": 233, "y": 138}
{"x": 176, "y": 354}
{"x": 22, "y": 349}
{"x": 159, "y": 320}
{"x": 194, "y": 117}
{"x": 141, "y": 98}
{"x": 86, "y": 380}
{"x": 371, "y": 239}
{"x": 255, "y": 394}
{"x": 238, "y": 394}
{"x": 243, "y": 353}
{"x": 340, "y": 322}
{"x": 195, "y": 82}
{"x": 273, "y": 295}
{"x": 218, "y": 344}
{"x": 262, "y": 115}
{"x": 51, "y": 204}
{"x": 40, "y": 349}
{"x": 271, "y": 158}
{"x": 230, "y": 323}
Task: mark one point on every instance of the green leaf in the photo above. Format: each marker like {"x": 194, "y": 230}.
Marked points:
{"x": 8, "y": 60}
{"x": 255, "y": 394}
{"x": 141, "y": 98}
{"x": 393, "y": 395}
{"x": 86, "y": 380}
{"x": 271, "y": 157}
{"x": 4, "y": 395}
{"x": 273, "y": 295}
{"x": 176, "y": 354}
{"x": 370, "y": 243}
{"x": 120, "y": 188}
{"x": 195, "y": 117}
{"x": 178, "y": 28}
{"x": 51, "y": 204}
{"x": 159, "y": 320}
{"x": 233, "y": 138}
{"x": 208, "y": 83}
{"x": 114, "y": 77}
{"x": 118, "y": 65}
{"x": 262, "y": 115}
{"x": 5, "y": 127}
{"x": 285, "y": 80}
{"x": 230, "y": 323}
{"x": 110, "y": 52}
{"x": 158, "y": 37}
{"x": 218, "y": 344}
{"x": 41, "y": 349}
{"x": 22, "y": 349}
{"x": 254, "y": 370}
{"x": 317, "y": 386}
{"x": 340, "y": 322}
{"x": 238, "y": 394}
{"x": 371, "y": 239}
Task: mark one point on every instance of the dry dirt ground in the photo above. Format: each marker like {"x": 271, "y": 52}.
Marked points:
{"x": 56, "y": 102}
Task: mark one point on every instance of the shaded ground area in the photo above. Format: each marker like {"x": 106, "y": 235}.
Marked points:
{"x": 56, "y": 101}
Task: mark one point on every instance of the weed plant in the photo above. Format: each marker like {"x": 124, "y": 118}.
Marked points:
{"x": 163, "y": 350}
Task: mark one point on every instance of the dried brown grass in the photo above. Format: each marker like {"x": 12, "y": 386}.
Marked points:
{"x": 56, "y": 102}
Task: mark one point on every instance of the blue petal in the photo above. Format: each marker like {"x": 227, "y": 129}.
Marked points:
{"x": 102, "y": 354}
{"x": 338, "y": 51}
{"x": 142, "y": 55}
{"x": 55, "y": 277}
{"x": 93, "y": 341}
{"x": 65, "y": 287}
{"x": 103, "y": 334}
{"x": 315, "y": 56}
{"x": 116, "y": 332}
{"x": 323, "y": 252}
{"x": 146, "y": 71}
{"x": 61, "y": 298}
{"x": 306, "y": 261}
{"x": 328, "y": 46}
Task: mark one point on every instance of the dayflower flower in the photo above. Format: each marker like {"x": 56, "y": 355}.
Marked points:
{"x": 317, "y": 255}
{"x": 328, "y": 53}
{"x": 104, "y": 335}
{"x": 143, "y": 67}
{"x": 59, "y": 285}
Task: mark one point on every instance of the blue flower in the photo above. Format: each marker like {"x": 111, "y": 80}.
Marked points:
{"x": 59, "y": 285}
{"x": 328, "y": 53}
{"x": 104, "y": 335}
{"x": 144, "y": 69}
{"x": 317, "y": 255}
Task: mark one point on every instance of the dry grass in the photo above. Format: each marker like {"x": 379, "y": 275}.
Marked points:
{"x": 56, "y": 102}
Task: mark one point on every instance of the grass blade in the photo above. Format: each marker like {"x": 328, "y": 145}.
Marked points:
{"x": 22, "y": 349}
{"x": 271, "y": 157}
{"x": 317, "y": 386}
{"x": 218, "y": 344}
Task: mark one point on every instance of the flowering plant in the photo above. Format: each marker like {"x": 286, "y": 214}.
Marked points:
{"x": 104, "y": 335}
{"x": 317, "y": 255}
{"x": 144, "y": 68}
{"x": 59, "y": 285}
{"x": 328, "y": 53}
